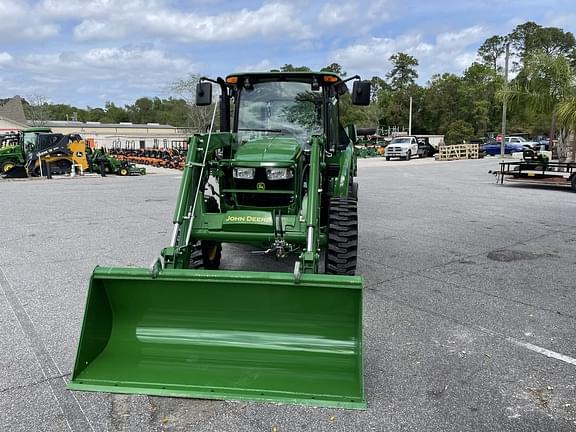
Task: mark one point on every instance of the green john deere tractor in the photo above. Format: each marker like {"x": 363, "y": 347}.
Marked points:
{"x": 279, "y": 177}
{"x": 11, "y": 153}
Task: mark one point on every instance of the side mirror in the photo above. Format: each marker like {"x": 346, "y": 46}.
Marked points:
{"x": 361, "y": 93}
{"x": 203, "y": 94}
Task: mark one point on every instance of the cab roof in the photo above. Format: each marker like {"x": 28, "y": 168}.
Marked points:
{"x": 296, "y": 76}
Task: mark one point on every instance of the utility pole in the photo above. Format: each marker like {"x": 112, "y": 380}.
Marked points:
{"x": 410, "y": 119}
{"x": 505, "y": 101}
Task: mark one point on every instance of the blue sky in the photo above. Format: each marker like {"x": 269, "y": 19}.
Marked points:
{"x": 87, "y": 52}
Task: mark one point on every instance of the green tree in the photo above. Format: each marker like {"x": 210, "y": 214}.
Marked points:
{"x": 479, "y": 85}
{"x": 377, "y": 86}
{"x": 199, "y": 116}
{"x": 403, "y": 73}
{"x": 459, "y": 132}
{"x": 491, "y": 50}
{"x": 289, "y": 68}
{"x": 445, "y": 101}
{"x": 542, "y": 86}
{"x": 335, "y": 68}
{"x": 523, "y": 38}
{"x": 37, "y": 109}
{"x": 530, "y": 38}
{"x": 115, "y": 114}
{"x": 144, "y": 110}
{"x": 567, "y": 117}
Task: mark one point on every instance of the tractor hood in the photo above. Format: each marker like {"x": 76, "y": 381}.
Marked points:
{"x": 8, "y": 149}
{"x": 275, "y": 149}
{"x": 403, "y": 144}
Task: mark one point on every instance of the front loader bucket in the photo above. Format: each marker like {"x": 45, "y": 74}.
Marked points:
{"x": 223, "y": 335}
{"x": 17, "y": 171}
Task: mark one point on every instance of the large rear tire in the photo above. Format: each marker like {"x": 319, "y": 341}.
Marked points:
{"x": 573, "y": 183}
{"x": 7, "y": 166}
{"x": 342, "y": 250}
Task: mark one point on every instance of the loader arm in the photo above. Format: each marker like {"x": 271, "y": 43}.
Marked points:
{"x": 177, "y": 254}
{"x": 310, "y": 257}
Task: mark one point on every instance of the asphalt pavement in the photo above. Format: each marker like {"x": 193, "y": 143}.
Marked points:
{"x": 469, "y": 303}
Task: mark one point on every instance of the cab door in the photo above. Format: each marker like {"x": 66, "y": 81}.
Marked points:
{"x": 414, "y": 146}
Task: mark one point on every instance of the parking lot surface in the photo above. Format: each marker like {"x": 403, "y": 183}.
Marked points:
{"x": 469, "y": 303}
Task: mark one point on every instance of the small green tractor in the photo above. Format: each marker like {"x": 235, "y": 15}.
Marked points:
{"x": 279, "y": 176}
{"x": 11, "y": 153}
{"x": 99, "y": 157}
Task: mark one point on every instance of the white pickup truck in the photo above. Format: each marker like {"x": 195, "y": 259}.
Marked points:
{"x": 522, "y": 141}
{"x": 407, "y": 146}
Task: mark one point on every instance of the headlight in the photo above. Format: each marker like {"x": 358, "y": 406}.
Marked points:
{"x": 279, "y": 173}
{"x": 244, "y": 173}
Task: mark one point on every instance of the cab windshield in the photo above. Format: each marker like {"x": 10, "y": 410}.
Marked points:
{"x": 279, "y": 108}
{"x": 30, "y": 141}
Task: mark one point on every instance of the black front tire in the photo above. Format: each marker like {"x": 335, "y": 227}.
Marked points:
{"x": 342, "y": 250}
{"x": 573, "y": 183}
{"x": 353, "y": 192}
{"x": 206, "y": 253}
{"x": 408, "y": 155}
{"x": 352, "y": 188}
{"x": 211, "y": 250}
{"x": 387, "y": 158}
{"x": 195, "y": 261}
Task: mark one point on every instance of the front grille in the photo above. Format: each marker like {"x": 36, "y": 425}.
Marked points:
{"x": 264, "y": 199}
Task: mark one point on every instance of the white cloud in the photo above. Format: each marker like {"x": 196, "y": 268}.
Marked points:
{"x": 336, "y": 14}
{"x": 135, "y": 19}
{"x": 80, "y": 9}
{"x": 263, "y": 65}
{"x": 131, "y": 59}
{"x": 91, "y": 29}
{"x": 373, "y": 55}
{"x": 116, "y": 72}
{"x": 566, "y": 21}
{"x": 5, "y": 58}
{"x": 19, "y": 21}
{"x": 462, "y": 38}
{"x": 270, "y": 20}
{"x": 450, "y": 52}
{"x": 354, "y": 17}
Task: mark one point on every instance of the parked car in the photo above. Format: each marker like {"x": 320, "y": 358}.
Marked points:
{"x": 543, "y": 141}
{"x": 407, "y": 146}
